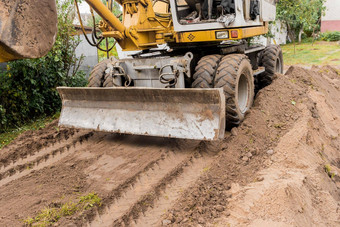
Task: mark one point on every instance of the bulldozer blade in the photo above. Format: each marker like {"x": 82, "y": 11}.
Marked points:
{"x": 28, "y": 28}
{"x": 177, "y": 113}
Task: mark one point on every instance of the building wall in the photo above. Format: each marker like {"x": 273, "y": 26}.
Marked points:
{"x": 279, "y": 30}
{"x": 90, "y": 54}
{"x": 331, "y": 20}
{"x": 329, "y": 26}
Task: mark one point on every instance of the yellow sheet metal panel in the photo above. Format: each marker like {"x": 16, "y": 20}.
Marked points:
{"x": 210, "y": 35}
{"x": 140, "y": 29}
{"x": 6, "y": 56}
{"x": 198, "y": 36}
{"x": 254, "y": 31}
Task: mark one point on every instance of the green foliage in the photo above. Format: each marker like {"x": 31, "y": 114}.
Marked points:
{"x": 68, "y": 209}
{"x": 46, "y": 217}
{"x": 28, "y": 87}
{"x": 329, "y": 171}
{"x": 300, "y": 15}
{"x": 327, "y": 36}
{"x": 50, "y": 215}
{"x": 89, "y": 201}
{"x": 102, "y": 54}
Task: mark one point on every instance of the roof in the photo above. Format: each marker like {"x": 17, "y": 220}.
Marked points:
{"x": 88, "y": 29}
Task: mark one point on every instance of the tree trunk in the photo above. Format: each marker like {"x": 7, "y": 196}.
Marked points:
{"x": 291, "y": 34}
{"x": 300, "y": 35}
{"x": 313, "y": 35}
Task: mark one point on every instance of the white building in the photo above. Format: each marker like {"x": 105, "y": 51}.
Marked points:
{"x": 279, "y": 32}
{"x": 89, "y": 52}
{"x": 331, "y": 20}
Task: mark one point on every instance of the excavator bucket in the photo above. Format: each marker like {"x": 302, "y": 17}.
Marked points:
{"x": 177, "y": 113}
{"x": 27, "y": 28}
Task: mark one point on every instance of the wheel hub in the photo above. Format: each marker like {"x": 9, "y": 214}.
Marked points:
{"x": 243, "y": 93}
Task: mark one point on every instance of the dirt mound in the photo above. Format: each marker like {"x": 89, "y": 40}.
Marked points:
{"x": 279, "y": 168}
{"x": 299, "y": 183}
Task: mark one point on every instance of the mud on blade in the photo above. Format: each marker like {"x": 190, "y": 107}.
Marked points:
{"x": 179, "y": 113}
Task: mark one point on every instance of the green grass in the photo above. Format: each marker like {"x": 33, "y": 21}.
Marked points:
{"x": 329, "y": 171}
{"x": 10, "y": 135}
{"x": 50, "y": 215}
{"x": 321, "y": 53}
{"x": 102, "y": 55}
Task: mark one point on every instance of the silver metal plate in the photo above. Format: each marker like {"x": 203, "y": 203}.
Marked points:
{"x": 178, "y": 113}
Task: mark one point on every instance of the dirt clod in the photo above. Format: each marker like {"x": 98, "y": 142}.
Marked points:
{"x": 166, "y": 222}
{"x": 234, "y": 131}
{"x": 245, "y": 158}
{"x": 270, "y": 152}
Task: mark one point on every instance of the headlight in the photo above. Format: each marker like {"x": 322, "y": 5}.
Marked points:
{"x": 222, "y": 35}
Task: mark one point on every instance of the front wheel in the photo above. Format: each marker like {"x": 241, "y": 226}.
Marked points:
{"x": 235, "y": 76}
{"x": 96, "y": 78}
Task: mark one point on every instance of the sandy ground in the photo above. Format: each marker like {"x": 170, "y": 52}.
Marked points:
{"x": 270, "y": 171}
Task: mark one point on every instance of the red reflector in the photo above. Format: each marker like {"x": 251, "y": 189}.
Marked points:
{"x": 234, "y": 34}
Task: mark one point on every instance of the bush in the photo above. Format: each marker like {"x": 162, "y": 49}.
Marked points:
{"x": 330, "y": 36}
{"x": 28, "y": 87}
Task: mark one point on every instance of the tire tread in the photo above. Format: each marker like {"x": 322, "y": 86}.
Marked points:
{"x": 205, "y": 71}
{"x": 225, "y": 78}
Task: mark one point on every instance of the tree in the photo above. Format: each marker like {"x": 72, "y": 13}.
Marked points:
{"x": 299, "y": 15}
{"x": 28, "y": 87}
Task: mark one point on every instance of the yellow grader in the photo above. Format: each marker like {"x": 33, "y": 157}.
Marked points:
{"x": 193, "y": 72}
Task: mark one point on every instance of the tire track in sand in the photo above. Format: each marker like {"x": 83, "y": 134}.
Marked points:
{"x": 42, "y": 160}
{"x": 30, "y": 144}
{"x": 43, "y": 152}
{"x": 144, "y": 203}
{"x": 144, "y": 183}
{"x": 167, "y": 198}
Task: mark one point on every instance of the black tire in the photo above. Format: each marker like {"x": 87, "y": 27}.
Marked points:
{"x": 235, "y": 75}
{"x": 205, "y": 71}
{"x": 109, "y": 81}
{"x": 97, "y": 74}
{"x": 272, "y": 60}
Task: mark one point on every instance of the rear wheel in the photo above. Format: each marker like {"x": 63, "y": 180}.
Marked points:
{"x": 97, "y": 74}
{"x": 235, "y": 76}
{"x": 205, "y": 71}
{"x": 272, "y": 60}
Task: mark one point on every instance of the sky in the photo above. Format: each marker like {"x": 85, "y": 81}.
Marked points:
{"x": 84, "y": 7}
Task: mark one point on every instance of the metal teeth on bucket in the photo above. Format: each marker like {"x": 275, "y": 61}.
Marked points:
{"x": 178, "y": 113}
